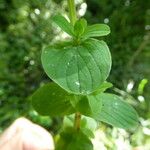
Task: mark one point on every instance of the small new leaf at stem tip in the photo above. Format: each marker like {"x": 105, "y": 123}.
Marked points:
{"x": 63, "y": 23}
{"x": 80, "y": 27}
{"x": 80, "y": 30}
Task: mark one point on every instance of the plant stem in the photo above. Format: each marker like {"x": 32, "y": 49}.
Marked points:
{"x": 73, "y": 18}
{"x": 77, "y": 121}
{"x": 72, "y": 11}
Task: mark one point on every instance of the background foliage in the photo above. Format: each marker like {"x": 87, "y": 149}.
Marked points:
{"x": 25, "y": 27}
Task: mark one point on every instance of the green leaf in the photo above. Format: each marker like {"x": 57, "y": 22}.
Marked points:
{"x": 78, "y": 69}
{"x": 79, "y": 27}
{"x": 96, "y": 30}
{"x": 117, "y": 112}
{"x": 89, "y": 106}
{"x": 63, "y": 23}
{"x": 103, "y": 88}
{"x": 71, "y": 139}
{"x": 110, "y": 109}
{"x": 83, "y": 106}
{"x": 52, "y": 100}
{"x": 87, "y": 125}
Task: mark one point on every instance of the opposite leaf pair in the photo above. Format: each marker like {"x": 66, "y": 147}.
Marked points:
{"x": 51, "y": 100}
{"x": 81, "y": 30}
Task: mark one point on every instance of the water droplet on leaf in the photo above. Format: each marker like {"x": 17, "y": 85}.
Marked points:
{"x": 77, "y": 83}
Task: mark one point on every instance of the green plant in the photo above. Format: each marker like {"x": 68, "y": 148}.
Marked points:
{"x": 79, "y": 68}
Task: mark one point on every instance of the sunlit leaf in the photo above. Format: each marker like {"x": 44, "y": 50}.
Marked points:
{"x": 78, "y": 69}
{"x": 63, "y": 23}
{"x": 80, "y": 27}
{"x": 117, "y": 112}
{"x": 96, "y": 30}
{"x": 110, "y": 109}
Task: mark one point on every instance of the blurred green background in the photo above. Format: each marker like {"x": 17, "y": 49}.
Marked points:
{"x": 25, "y": 27}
